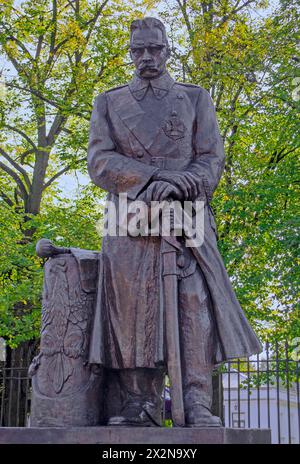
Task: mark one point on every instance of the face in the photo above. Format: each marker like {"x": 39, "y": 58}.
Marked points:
{"x": 148, "y": 52}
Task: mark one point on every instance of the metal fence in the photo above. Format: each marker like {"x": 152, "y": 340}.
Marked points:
{"x": 15, "y": 392}
{"x": 260, "y": 392}
{"x": 263, "y": 392}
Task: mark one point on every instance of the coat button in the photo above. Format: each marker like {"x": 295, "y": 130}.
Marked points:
{"x": 140, "y": 154}
{"x": 180, "y": 260}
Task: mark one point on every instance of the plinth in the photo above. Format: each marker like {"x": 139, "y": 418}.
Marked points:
{"x": 133, "y": 435}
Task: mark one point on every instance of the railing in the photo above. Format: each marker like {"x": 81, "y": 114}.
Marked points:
{"x": 263, "y": 392}
{"x": 15, "y": 390}
{"x": 260, "y": 392}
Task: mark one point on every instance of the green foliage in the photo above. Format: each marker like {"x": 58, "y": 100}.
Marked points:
{"x": 167, "y": 423}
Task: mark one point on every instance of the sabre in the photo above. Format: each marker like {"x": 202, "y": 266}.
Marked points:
{"x": 169, "y": 249}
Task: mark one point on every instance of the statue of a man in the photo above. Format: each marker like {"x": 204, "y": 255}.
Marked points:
{"x": 157, "y": 139}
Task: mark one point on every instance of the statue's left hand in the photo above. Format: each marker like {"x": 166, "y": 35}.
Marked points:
{"x": 160, "y": 191}
{"x": 184, "y": 181}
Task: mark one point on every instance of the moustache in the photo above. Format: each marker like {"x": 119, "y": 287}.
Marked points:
{"x": 143, "y": 66}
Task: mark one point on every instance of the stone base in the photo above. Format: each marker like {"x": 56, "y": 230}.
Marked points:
{"x": 132, "y": 435}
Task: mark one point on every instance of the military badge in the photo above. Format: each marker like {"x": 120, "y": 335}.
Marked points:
{"x": 174, "y": 127}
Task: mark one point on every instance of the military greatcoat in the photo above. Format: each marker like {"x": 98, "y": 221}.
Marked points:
{"x": 137, "y": 129}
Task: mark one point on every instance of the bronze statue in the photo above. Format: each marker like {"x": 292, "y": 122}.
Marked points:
{"x": 157, "y": 139}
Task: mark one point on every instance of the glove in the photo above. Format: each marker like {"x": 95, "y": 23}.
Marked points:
{"x": 185, "y": 181}
{"x": 161, "y": 190}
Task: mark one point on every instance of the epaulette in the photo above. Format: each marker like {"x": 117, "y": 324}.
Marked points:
{"x": 116, "y": 88}
{"x": 188, "y": 85}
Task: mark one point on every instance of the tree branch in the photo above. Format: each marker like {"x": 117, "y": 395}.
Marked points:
{"x": 55, "y": 128}
{"x": 6, "y": 198}
{"x": 232, "y": 109}
{"x": 16, "y": 166}
{"x": 53, "y": 32}
{"x": 23, "y": 134}
{"x": 16, "y": 64}
{"x": 278, "y": 156}
{"x": 21, "y": 45}
{"x": 186, "y": 18}
{"x": 219, "y": 96}
{"x": 39, "y": 47}
{"x": 59, "y": 119}
{"x": 95, "y": 18}
{"x": 60, "y": 173}
{"x": 235, "y": 11}
{"x": 46, "y": 100}
{"x": 35, "y": 93}
{"x": 16, "y": 178}
{"x": 70, "y": 3}
{"x": 60, "y": 44}
{"x": 24, "y": 154}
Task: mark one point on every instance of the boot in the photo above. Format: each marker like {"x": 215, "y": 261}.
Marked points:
{"x": 141, "y": 398}
{"x": 198, "y": 402}
{"x": 197, "y": 415}
{"x": 138, "y": 414}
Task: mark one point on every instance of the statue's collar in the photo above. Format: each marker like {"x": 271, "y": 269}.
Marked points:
{"x": 160, "y": 86}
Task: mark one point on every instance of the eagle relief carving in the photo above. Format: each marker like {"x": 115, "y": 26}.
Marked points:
{"x": 66, "y": 316}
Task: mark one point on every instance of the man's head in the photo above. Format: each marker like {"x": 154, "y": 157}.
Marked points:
{"x": 149, "y": 48}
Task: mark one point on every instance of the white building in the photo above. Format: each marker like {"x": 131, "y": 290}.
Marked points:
{"x": 258, "y": 409}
